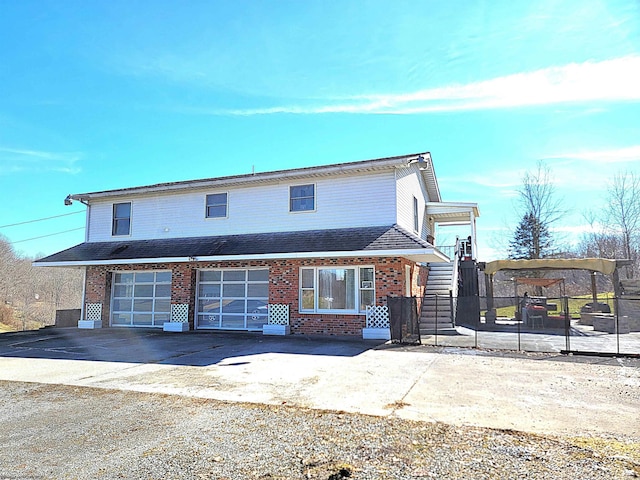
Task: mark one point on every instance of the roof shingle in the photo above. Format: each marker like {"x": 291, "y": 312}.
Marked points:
{"x": 309, "y": 241}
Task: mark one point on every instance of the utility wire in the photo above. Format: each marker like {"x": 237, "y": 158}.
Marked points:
{"x": 50, "y": 235}
{"x": 40, "y": 220}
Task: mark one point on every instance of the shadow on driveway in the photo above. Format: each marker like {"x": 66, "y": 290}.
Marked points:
{"x": 153, "y": 346}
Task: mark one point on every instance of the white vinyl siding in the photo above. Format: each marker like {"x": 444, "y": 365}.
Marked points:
{"x": 340, "y": 202}
{"x": 410, "y": 188}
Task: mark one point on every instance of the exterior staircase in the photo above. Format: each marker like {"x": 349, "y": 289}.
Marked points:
{"x": 436, "y": 301}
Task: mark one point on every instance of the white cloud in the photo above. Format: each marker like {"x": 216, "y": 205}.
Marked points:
{"x": 14, "y": 160}
{"x": 618, "y": 155}
{"x": 609, "y": 80}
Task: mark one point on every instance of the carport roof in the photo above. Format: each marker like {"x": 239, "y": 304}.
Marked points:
{"x": 369, "y": 241}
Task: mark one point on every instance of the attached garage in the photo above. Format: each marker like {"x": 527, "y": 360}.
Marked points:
{"x": 232, "y": 299}
{"x": 140, "y": 299}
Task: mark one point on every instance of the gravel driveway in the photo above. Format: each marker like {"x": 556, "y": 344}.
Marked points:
{"x": 53, "y": 431}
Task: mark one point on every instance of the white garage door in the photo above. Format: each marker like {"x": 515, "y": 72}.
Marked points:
{"x": 140, "y": 299}
{"x": 232, "y": 299}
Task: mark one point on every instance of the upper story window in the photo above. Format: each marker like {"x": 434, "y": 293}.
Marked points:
{"x": 302, "y": 198}
{"x": 416, "y": 223}
{"x": 121, "y": 219}
{"x": 216, "y": 205}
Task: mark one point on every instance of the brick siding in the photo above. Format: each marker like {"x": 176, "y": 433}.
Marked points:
{"x": 283, "y": 287}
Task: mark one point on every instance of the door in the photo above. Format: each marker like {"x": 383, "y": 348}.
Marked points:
{"x": 140, "y": 299}
{"x": 232, "y": 299}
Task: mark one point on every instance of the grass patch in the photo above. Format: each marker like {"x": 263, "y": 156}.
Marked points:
{"x": 575, "y": 304}
{"x": 6, "y": 328}
{"x": 611, "y": 447}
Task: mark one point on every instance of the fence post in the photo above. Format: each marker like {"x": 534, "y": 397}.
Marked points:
{"x": 519, "y": 321}
{"x": 567, "y": 323}
{"x": 436, "y": 333}
{"x": 451, "y": 306}
{"x": 477, "y": 327}
{"x": 616, "y": 306}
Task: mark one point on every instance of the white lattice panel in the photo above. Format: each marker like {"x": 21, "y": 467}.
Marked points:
{"x": 377, "y": 316}
{"x": 278, "y": 314}
{"x": 180, "y": 312}
{"x": 93, "y": 311}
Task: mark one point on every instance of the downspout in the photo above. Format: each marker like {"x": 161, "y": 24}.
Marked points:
{"x": 84, "y": 291}
{"x": 87, "y": 222}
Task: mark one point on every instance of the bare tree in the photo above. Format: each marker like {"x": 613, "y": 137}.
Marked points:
{"x": 623, "y": 214}
{"x": 29, "y": 296}
{"x": 540, "y": 207}
{"x": 599, "y": 241}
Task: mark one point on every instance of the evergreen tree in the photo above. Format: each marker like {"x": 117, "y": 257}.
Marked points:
{"x": 531, "y": 240}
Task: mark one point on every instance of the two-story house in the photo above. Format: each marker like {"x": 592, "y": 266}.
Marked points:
{"x": 214, "y": 253}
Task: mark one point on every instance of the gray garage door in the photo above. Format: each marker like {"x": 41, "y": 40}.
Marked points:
{"x": 140, "y": 299}
{"x": 232, "y": 299}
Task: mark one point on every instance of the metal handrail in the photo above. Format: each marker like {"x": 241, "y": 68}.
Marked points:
{"x": 454, "y": 280}
{"x": 448, "y": 250}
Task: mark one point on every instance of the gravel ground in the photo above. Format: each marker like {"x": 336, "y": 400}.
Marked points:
{"x": 61, "y": 432}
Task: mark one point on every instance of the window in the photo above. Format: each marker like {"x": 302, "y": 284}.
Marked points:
{"x": 327, "y": 289}
{"x": 216, "y": 205}
{"x": 302, "y": 198}
{"x": 121, "y": 219}
{"x": 415, "y": 215}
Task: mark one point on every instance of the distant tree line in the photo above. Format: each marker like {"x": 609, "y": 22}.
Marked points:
{"x": 614, "y": 227}
{"x": 30, "y": 296}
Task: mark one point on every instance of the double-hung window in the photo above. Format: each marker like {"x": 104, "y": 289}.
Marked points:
{"x": 121, "y": 224}
{"x": 302, "y": 198}
{"x": 216, "y": 205}
{"x": 336, "y": 289}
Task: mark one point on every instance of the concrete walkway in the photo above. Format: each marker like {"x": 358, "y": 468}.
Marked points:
{"x": 536, "y": 392}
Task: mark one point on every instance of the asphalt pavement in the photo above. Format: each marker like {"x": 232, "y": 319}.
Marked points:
{"x": 539, "y": 393}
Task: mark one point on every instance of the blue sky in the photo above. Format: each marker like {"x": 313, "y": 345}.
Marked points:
{"x": 108, "y": 94}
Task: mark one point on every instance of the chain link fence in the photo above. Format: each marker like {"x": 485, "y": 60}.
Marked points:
{"x": 538, "y": 324}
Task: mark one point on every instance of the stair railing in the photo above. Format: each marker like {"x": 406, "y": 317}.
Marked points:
{"x": 453, "y": 290}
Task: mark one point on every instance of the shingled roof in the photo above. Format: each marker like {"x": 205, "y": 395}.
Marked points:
{"x": 381, "y": 240}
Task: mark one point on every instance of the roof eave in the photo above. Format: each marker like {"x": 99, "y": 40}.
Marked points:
{"x": 298, "y": 173}
{"x": 421, "y": 255}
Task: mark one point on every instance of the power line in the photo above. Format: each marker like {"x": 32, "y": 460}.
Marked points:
{"x": 49, "y": 235}
{"x": 40, "y": 220}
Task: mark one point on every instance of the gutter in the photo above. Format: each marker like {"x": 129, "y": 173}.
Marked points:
{"x": 418, "y": 255}
{"x": 273, "y": 176}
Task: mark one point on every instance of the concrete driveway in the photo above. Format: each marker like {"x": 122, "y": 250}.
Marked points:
{"x": 541, "y": 393}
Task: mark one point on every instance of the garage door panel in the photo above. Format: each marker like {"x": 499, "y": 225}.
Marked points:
{"x": 141, "y": 299}
{"x": 238, "y": 297}
{"x": 235, "y": 322}
{"x": 233, "y": 306}
{"x": 233, "y": 290}
{"x": 258, "y": 290}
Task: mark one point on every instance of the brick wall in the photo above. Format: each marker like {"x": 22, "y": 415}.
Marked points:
{"x": 283, "y": 287}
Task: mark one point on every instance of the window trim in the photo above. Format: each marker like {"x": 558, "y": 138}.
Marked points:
{"x": 206, "y": 206}
{"x": 357, "y": 289}
{"x": 315, "y": 197}
{"x": 114, "y": 219}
